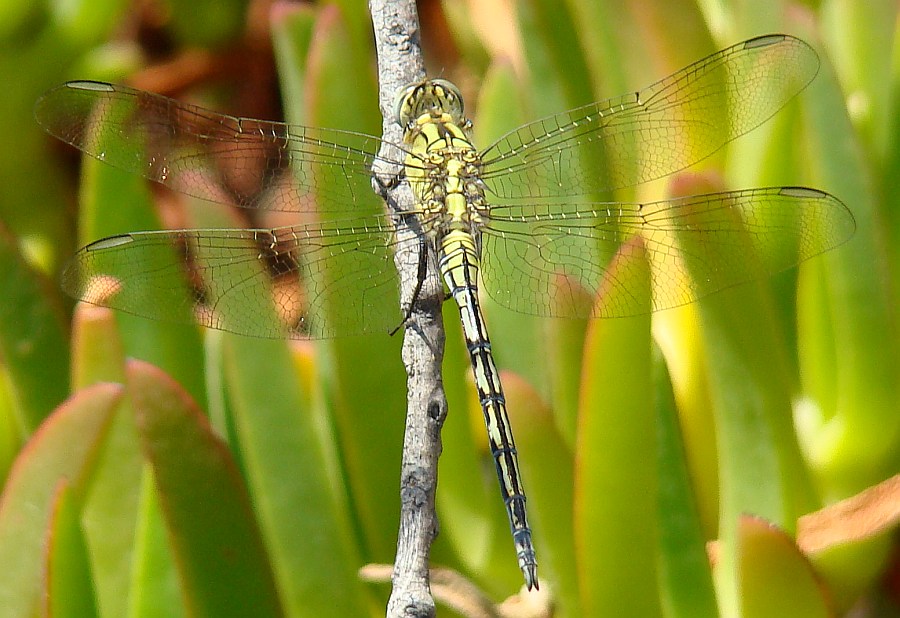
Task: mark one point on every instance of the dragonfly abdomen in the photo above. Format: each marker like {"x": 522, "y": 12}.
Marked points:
{"x": 459, "y": 267}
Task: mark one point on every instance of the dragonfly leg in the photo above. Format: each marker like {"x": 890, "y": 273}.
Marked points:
{"x": 421, "y": 273}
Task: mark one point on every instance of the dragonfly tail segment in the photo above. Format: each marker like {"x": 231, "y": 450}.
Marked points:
{"x": 459, "y": 267}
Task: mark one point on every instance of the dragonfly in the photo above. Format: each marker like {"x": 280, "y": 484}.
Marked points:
{"x": 524, "y": 219}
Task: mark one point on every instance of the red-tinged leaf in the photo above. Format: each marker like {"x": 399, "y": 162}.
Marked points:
{"x": 64, "y": 447}
{"x": 775, "y": 578}
{"x": 69, "y": 590}
{"x": 215, "y": 540}
{"x": 109, "y": 513}
{"x": 870, "y": 513}
{"x": 850, "y": 541}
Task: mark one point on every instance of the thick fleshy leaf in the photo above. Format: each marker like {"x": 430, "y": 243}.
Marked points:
{"x": 97, "y": 351}
{"x": 760, "y": 470}
{"x": 848, "y": 344}
{"x": 207, "y": 23}
{"x": 68, "y": 592}
{"x": 685, "y": 582}
{"x": 557, "y": 67}
{"x": 630, "y": 47}
{"x": 216, "y": 542}
{"x": 850, "y": 435}
{"x": 615, "y": 462}
{"x": 32, "y": 338}
{"x": 364, "y": 375}
{"x": 849, "y": 542}
{"x": 64, "y": 447}
{"x": 862, "y": 46}
{"x": 116, "y": 202}
{"x": 154, "y": 581}
{"x": 775, "y": 578}
{"x": 289, "y": 453}
{"x": 677, "y": 333}
{"x": 110, "y": 512}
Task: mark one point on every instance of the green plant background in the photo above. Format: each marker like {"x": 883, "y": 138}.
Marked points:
{"x": 254, "y": 477}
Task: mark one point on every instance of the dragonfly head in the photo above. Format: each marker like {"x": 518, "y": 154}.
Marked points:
{"x": 433, "y": 97}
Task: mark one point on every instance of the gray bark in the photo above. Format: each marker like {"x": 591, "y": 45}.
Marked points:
{"x": 400, "y": 63}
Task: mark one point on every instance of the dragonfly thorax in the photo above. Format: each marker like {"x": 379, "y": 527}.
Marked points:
{"x": 446, "y": 179}
{"x": 442, "y": 165}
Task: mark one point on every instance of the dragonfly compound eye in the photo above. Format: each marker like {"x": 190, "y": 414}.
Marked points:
{"x": 435, "y": 96}
{"x": 404, "y": 114}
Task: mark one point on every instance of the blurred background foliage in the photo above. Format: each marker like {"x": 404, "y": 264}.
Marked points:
{"x": 254, "y": 477}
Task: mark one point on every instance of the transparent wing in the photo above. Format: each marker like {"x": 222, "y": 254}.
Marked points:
{"x": 319, "y": 280}
{"x": 213, "y": 156}
{"x": 650, "y": 134}
{"x": 543, "y": 263}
